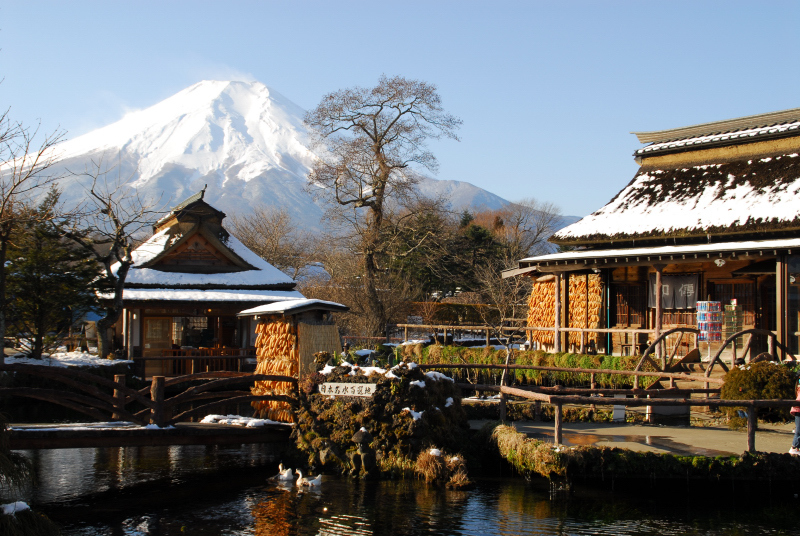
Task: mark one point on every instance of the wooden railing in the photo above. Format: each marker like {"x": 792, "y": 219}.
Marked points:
{"x": 488, "y": 330}
{"x": 104, "y": 399}
{"x": 558, "y": 396}
{"x": 193, "y": 361}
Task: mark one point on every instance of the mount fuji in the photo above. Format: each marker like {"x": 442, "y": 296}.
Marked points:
{"x": 247, "y": 142}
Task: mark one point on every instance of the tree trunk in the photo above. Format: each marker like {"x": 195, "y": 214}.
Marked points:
{"x": 113, "y": 312}
{"x": 3, "y": 253}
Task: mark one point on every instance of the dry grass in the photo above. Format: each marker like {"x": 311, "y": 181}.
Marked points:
{"x": 431, "y": 468}
{"x": 459, "y": 480}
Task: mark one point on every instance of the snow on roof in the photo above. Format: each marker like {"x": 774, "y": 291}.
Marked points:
{"x": 740, "y": 135}
{"x": 64, "y": 359}
{"x": 264, "y": 274}
{"x": 218, "y": 295}
{"x": 289, "y": 306}
{"x": 757, "y": 195}
{"x": 665, "y": 251}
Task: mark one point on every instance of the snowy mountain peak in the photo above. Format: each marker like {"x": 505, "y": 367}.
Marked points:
{"x": 246, "y": 141}
{"x": 210, "y": 126}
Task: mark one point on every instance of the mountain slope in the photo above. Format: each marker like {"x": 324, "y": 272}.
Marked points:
{"x": 244, "y": 140}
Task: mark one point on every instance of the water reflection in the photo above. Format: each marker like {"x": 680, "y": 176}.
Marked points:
{"x": 203, "y": 491}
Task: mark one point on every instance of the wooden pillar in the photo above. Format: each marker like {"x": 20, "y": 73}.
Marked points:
{"x": 565, "y": 313}
{"x": 557, "y": 332}
{"x": 119, "y": 397}
{"x": 752, "y": 425}
{"x": 537, "y": 410}
{"x": 658, "y": 314}
{"x": 781, "y": 305}
{"x": 585, "y": 316}
{"x": 558, "y": 436}
{"x": 157, "y": 396}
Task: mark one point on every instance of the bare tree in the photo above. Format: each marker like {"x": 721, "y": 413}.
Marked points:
{"x": 506, "y": 308}
{"x": 524, "y": 226}
{"x": 342, "y": 283}
{"x": 25, "y": 164}
{"x": 110, "y": 221}
{"x": 371, "y": 140}
{"x": 272, "y": 234}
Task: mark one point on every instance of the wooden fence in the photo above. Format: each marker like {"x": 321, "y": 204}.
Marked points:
{"x": 104, "y": 399}
{"x": 558, "y": 396}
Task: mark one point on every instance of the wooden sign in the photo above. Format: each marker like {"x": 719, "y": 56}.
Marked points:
{"x": 347, "y": 389}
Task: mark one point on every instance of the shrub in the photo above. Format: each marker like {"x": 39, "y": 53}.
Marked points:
{"x": 763, "y": 380}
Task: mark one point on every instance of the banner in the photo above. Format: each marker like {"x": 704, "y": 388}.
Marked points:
{"x": 677, "y": 291}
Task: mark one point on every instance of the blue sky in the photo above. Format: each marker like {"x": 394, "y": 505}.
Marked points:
{"x": 548, "y": 91}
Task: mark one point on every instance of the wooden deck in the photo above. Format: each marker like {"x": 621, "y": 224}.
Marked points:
{"x": 65, "y": 436}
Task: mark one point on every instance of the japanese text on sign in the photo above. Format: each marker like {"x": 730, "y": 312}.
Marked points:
{"x": 347, "y": 389}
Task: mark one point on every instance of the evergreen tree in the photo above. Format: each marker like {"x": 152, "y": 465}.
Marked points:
{"x": 50, "y": 281}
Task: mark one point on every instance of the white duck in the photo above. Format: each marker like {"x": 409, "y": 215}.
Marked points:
{"x": 306, "y": 482}
{"x": 283, "y": 474}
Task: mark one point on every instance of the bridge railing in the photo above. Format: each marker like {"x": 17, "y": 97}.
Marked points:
{"x": 104, "y": 399}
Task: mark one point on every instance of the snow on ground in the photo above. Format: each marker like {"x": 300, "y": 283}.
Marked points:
{"x": 12, "y": 508}
{"x": 437, "y": 376}
{"x": 238, "y": 420}
{"x": 64, "y": 359}
{"x": 416, "y": 415}
{"x": 84, "y": 426}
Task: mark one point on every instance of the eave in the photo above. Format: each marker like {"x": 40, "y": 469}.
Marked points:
{"x": 611, "y": 258}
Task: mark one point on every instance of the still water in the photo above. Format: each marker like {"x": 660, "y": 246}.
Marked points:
{"x": 224, "y": 491}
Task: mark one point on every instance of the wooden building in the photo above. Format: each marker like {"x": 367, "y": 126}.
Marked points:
{"x": 289, "y": 333}
{"x": 184, "y": 290}
{"x": 713, "y": 213}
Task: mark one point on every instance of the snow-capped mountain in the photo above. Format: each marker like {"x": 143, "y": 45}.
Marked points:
{"x": 244, "y": 140}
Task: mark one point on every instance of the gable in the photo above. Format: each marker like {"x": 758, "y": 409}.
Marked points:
{"x": 194, "y": 251}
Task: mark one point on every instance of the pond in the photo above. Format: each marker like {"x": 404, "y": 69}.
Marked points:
{"x": 202, "y": 491}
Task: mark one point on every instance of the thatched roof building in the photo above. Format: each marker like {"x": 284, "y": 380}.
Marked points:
{"x": 187, "y": 284}
{"x": 704, "y": 183}
{"x": 717, "y": 202}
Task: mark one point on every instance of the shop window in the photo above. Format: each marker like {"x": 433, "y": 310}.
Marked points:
{"x": 630, "y": 305}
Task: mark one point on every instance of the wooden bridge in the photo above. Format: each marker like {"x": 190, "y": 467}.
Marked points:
{"x": 170, "y": 418}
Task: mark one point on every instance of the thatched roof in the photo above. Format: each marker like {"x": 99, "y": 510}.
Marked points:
{"x": 729, "y": 132}
{"x": 758, "y": 196}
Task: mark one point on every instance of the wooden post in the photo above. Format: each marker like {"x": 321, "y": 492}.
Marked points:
{"x": 558, "y": 439}
{"x": 502, "y": 407}
{"x": 487, "y": 337}
{"x": 157, "y": 396}
{"x": 658, "y": 314}
{"x": 565, "y": 345}
{"x": 405, "y": 333}
{"x": 593, "y": 385}
{"x": 119, "y": 397}
{"x": 583, "y": 342}
{"x": 557, "y": 333}
{"x": 781, "y": 295}
{"x": 771, "y": 347}
{"x": 537, "y": 410}
{"x": 752, "y": 425}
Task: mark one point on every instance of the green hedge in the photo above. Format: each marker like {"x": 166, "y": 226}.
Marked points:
{"x": 438, "y": 354}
